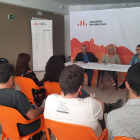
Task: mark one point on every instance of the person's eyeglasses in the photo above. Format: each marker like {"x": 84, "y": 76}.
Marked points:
{"x": 137, "y": 49}
{"x": 110, "y": 49}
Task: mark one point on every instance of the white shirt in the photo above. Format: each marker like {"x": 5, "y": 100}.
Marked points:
{"x": 79, "y": 111}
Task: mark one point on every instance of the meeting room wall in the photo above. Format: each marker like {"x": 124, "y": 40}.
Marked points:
{"x": 76, "y": 8}
{"x": 15, "y": 35}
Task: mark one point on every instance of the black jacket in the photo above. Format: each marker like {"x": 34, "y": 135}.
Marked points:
{"x": 91, "y": 57}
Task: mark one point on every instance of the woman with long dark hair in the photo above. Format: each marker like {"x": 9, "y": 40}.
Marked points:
{"x": 23, "y": 69}
{"x": 53, "y": 69}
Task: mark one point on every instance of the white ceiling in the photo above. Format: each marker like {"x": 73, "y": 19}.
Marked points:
{"x": 87, "y": 2}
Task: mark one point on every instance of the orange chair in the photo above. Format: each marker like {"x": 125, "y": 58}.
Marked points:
{"x": 65, "y": 131}
{"x": 53, "y": 87}
{"x": 122, "y": 138}
{"x": 26, "y": 85}
{"x": 93, "y": 78}
{"x": 9, "y": 118}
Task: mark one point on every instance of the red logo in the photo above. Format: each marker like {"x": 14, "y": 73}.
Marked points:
{"x": 35, "y": 23}
{"x": 82, "y": 23}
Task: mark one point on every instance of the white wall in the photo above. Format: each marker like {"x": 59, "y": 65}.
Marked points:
{"x": 101, "y": 6}
{"x": 76, "y": 8}
{"x": 67, "y": 35}
{"x": 45, "y": 5}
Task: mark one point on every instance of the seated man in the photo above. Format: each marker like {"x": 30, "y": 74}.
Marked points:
{"x": 86, "y": 57}
{"x": 126, "y": 120}
{"x": 68, "y": 108}
{"x": 15, "y": 99}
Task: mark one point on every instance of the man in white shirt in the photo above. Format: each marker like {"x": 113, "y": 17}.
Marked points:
{"x": 68, "y": 108}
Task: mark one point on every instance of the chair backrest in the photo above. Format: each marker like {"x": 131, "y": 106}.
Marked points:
{"x": 122, "y": 138}
{"x": 52, "y": 87}
{"x": 66, "y": 131}
{"x": 26, "y": 85}
{"x": 9, "y": 117}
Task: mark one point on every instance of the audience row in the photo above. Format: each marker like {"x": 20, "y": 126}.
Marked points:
{"x": 70, "y": 107}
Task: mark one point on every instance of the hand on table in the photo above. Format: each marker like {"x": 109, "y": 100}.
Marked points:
{"x": 99, "y": 62}
{"x": 74, "y": 61}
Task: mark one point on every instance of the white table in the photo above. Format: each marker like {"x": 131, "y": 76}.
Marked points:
{"x": 102, "y": 66}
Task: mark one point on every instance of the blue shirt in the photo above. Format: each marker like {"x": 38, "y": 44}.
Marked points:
{"x": 85, "y": 58}
{"x": 135, "y": 59}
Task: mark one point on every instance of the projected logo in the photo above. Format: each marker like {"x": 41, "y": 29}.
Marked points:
{"x": 35, "y": 23}
{"x": 82, "y": 23}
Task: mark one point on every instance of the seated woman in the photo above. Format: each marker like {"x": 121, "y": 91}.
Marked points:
{"x": 22, "y": 69}
{"x": 112, "y": 58}
{"x": 54, "y": 67}
{"x": 135, "y": 59}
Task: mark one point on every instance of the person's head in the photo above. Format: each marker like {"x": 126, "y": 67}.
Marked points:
{"x": 53, "y": 69}
{"x": 84, "y": 49}
{"x": 133, "y": 79}
{"x": 7, "y": 75}
{"x": 138, "y": 49}
{"x": 71, "y": 79}
{"x": 22, "y": 63}
{"x": 111, "y": 49}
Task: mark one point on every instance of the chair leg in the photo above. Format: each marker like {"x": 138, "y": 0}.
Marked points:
{"x": 93, "y": 78}
{"x": 98, "y": 78}
{"x": 2, "y": 136}
{"x": 47, "y": 134}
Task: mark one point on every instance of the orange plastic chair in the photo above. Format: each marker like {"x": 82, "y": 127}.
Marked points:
{"x": 26, "y": 85}
{"x": 66, "y": 131}
{"x": 122, "y": 138}
{"x": 93, "y": 78}
{"x": 9, "y": 118}
{"x": 53, "y": 87}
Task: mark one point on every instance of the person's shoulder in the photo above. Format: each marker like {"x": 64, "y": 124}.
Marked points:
{"x": 116, "y": 55}
{"x": 13, "y": 92}
{"x": 89, "y": 53}
{"x": 79, "y": 53}
{"x": 135, "y": 55}
{"x": 115, "y": 114}
{"x": 106, "y": 55}
{"x": 53, "y": 96}
{"x": 18, "y": 92}
{"x": 30, "y": 71}
{"x": 89, "y": 101}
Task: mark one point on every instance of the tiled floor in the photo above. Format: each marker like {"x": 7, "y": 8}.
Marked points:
{"x": 109, "y": 95}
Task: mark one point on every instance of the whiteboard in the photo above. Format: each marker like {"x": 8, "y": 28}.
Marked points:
{"x": 42, "y": 43}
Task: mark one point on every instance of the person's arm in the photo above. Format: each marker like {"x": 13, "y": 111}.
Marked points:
{"x": 118, "y": 59}
{"x": 76, "y": 59}
{"x": 132, "y": 60}
{"x": 23, "y": 105}
{"x": 108, "y": 127}
{"x": 109, "y": 132}
{"x": 102, "y": 104}
{"x": 34, "y": 113}
{"x": 94, "y": 58}
{"x": 102, "y": 60}
{"x": 98, "y": 109}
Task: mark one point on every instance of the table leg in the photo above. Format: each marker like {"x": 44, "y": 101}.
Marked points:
{"x": 98, "y": 78}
